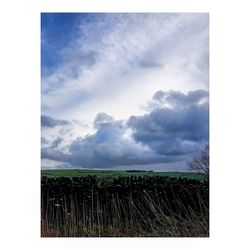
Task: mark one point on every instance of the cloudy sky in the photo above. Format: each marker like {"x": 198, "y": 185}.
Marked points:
{"x": 124, "y": 91}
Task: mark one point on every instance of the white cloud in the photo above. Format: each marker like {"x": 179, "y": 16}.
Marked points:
{"x": 116, "y": 65}
{"x": 122, "y": 43}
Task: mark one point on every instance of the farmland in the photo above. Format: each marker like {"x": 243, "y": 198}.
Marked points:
{"x": 90, "y": 172}
{"x": 85, "y": 203}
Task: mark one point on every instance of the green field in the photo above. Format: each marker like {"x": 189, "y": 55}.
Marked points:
{"x": 87, "y": 172}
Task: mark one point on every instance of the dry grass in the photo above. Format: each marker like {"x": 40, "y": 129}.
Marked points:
{"x": 147, "y": 214}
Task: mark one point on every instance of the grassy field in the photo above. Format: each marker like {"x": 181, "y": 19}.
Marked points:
{"x": 90, "y": 172}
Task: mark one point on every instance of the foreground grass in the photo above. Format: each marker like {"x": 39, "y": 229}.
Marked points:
{"x": 89, "y": 172}
{"x": 166, "y": 226}
{"x": 118, "y": 206}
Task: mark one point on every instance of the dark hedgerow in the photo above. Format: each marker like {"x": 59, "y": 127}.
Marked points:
{"x": 124, "y": 206}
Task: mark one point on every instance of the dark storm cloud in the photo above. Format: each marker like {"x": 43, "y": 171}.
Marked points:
{"x": 189, "y": 123}
{"x": 167, "y": 134}
{"x": 51, "y": 153}
{"x": 47, "y": 121}
{"x": 178, "y": 98}
{"x": 108, "y": 147}
{"x": 177, "y": 130}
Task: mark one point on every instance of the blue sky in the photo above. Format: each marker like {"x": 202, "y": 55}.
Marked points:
{"x": 124, "y": 90}
{"x": 58, "y": 30}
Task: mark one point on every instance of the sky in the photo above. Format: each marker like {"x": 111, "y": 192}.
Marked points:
{"x": 124, "y": 90}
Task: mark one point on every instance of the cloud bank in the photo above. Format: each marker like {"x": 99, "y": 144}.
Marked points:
{"x": 163, "y": 135}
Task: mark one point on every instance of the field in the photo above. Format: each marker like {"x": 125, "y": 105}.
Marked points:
{"x": 89, "y": 203}
{"x": 90, "y": 172}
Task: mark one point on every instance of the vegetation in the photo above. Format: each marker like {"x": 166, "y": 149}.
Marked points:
{"x": 103, "y": 173}
{"x": 200, "y": 163}
{"x": 120, "y": 205}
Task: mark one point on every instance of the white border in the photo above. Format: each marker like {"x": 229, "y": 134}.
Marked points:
{"x": 20, "y": 123}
